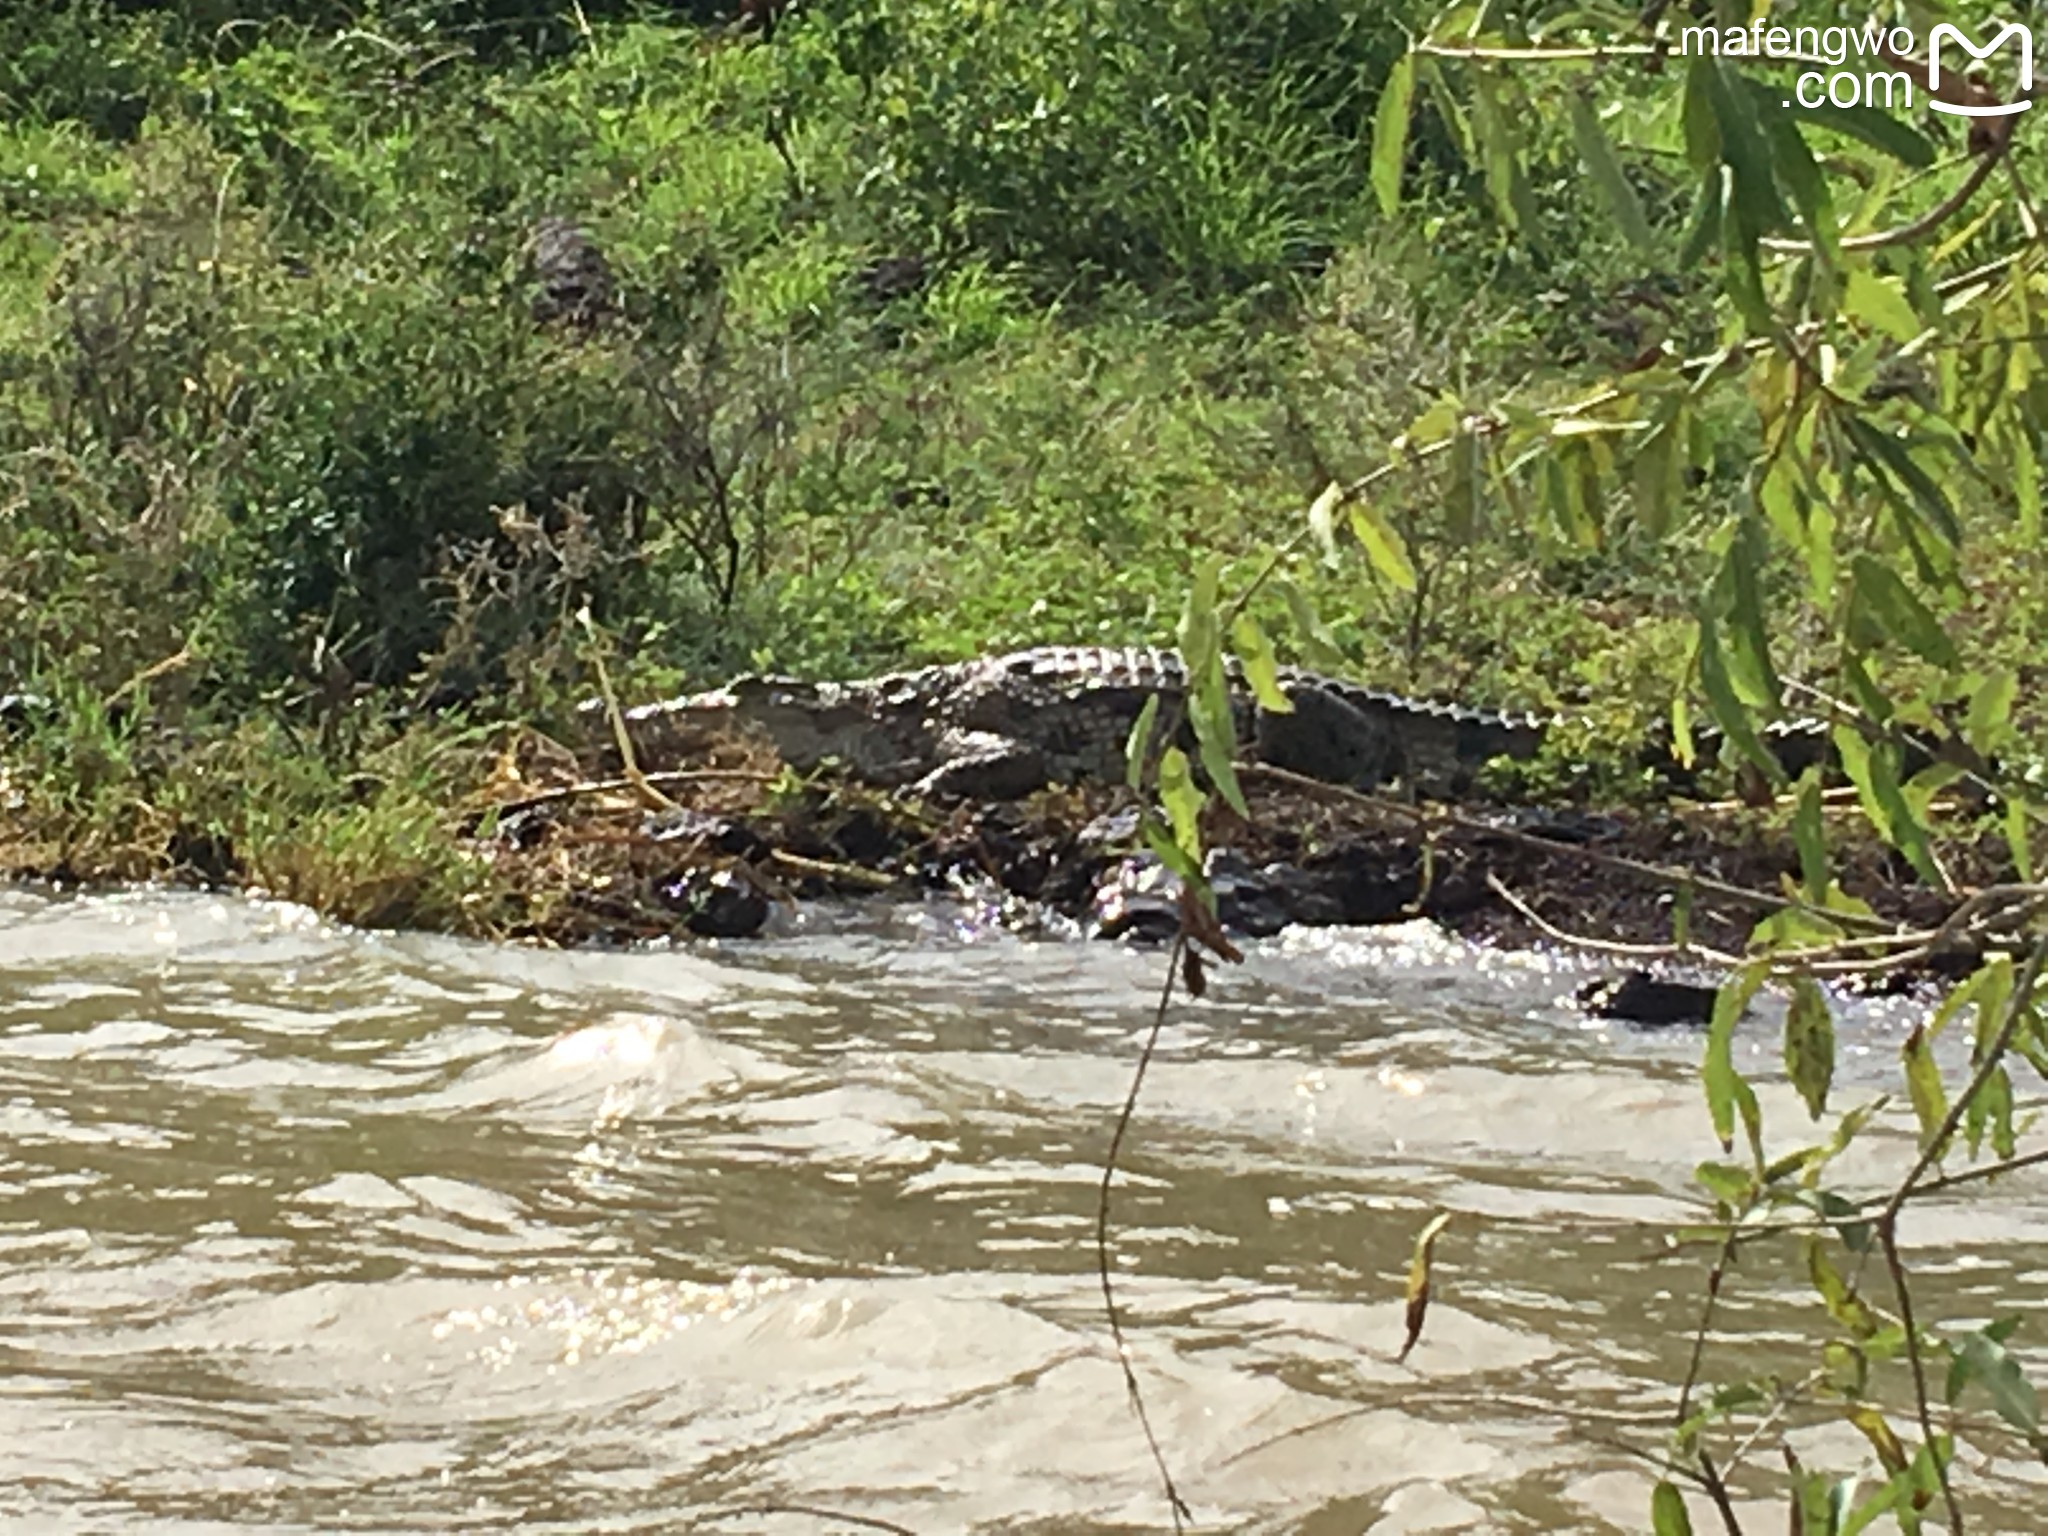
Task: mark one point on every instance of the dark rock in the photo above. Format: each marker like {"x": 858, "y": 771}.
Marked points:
{"x": 1368, "y": 882}
{"x": 1252, "y": 901}
{"x": 717, "y": 904}
{"x": 865, "y": 838}
{"x": 1641, "y": 998}
{"x": 1139, "y": 898}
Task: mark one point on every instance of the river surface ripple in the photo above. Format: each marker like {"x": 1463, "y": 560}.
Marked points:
{"x": 303, "y": 1229}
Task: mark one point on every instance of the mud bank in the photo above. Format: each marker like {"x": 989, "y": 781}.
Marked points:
{"x": 606, "y": 861}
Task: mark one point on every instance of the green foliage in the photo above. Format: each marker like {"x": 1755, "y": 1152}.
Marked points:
{"x": 1205, "y": 141}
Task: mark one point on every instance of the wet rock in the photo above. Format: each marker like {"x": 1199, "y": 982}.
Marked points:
{"x": 1252, "y": 901}
{"x": 1139, "y": 898}
{"x": 717, "y": 904}
{"x": 1368, "y": 882}
{"x": 1638, "y": 997}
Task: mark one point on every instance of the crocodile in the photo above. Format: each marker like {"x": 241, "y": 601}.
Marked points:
{"x": 1000, "y": 727}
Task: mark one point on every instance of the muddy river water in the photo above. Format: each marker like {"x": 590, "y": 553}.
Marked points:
{"x": 310, "y": 1230}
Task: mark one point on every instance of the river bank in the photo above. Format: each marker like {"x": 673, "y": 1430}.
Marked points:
{"x": 509, "y": 834}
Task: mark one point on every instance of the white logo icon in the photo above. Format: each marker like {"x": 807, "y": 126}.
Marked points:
{"x": 1948, "y": 30}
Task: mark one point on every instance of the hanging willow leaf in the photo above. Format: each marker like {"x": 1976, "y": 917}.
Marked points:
{"x": 1744, "y": 150}
{"x": 1809, "y": 836}
{"x": 1895, "y": 468}
{"x": 1668, "y": 1515}
{"x": 1384, "y": 546}
{"x": 1390, "y": 133}
{"x": 1261, "y": 665}
{"x": 1923, "y": 1086}
{"x": 1881, "y": 605}
{"x": 1598, "y": 154}
{"x": 1215, "y": 723}
{"x": 1728, "y": 1092}
{"x": 1881, "y": 305}
{"x": 1419, "y": 1271}
{"x": 1810, "y": 1045}
{"x": 1728, "y": 709}
{"x": 1310, "y": 633}
{"x": 1138, "y": 747}
{"x": 1183, "y": 801}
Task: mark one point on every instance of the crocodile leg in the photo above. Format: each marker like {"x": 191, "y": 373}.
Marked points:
{"x": 1328, "y": 738}
{"x": 982, "y": 765}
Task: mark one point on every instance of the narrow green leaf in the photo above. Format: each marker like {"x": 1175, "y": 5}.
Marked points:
{"x": 1810, "y": 837}
{"x": 1744, "y": 150}
{"x": 1200, "y": 633}
{"x": 1894, "y": 611}
{"x": 1880, "y": 303}
{"x": 1215, "y": 723}
{"x": 1991, "y": 1110}
{"x": 1659, "y": 475}
{"x": 1885, "y": 454}
{"x": 1160, "y": 840}
{"x": 1727, "y": 708}
{"x": 1923, "y": 1086}
{"x": 1384, "y": 546}
{"x": 1793, "y": 163}
{"x": 1981, "y": 1358}
{"x": 1728, "y": 1093}
{"x": 1390, "y": 133}
{"x": 1261, "y": 665}
{"x": 1668, "y": 1515}
{"x": 1810, "y": 1045}
{"x": 1464, "y": 507}
{"x": 1880, "y": 130}
{"x": 1991, "y": 990}
{"x": 1310, "y": 633}
{"x": 1842, "y": 1302}
{"x": 1184, "y": 802}
{"x": 1703, "y": 226}
{"x": 2019, "y": 840}
{"x": 1742, "y": 274}
{"x": 1730, "y": 1183}
{"x": 2026, "y": 485}
{"x": 1138, "y": 748}
{"x": 1749, "y": 651}
{"x": 1701, "y": 125}
{"x": 1874, "y": 772}
{"x": 1598, "y": 154}
{"x": 1991, "y": 711}
{"x": 1500, "y": 162}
